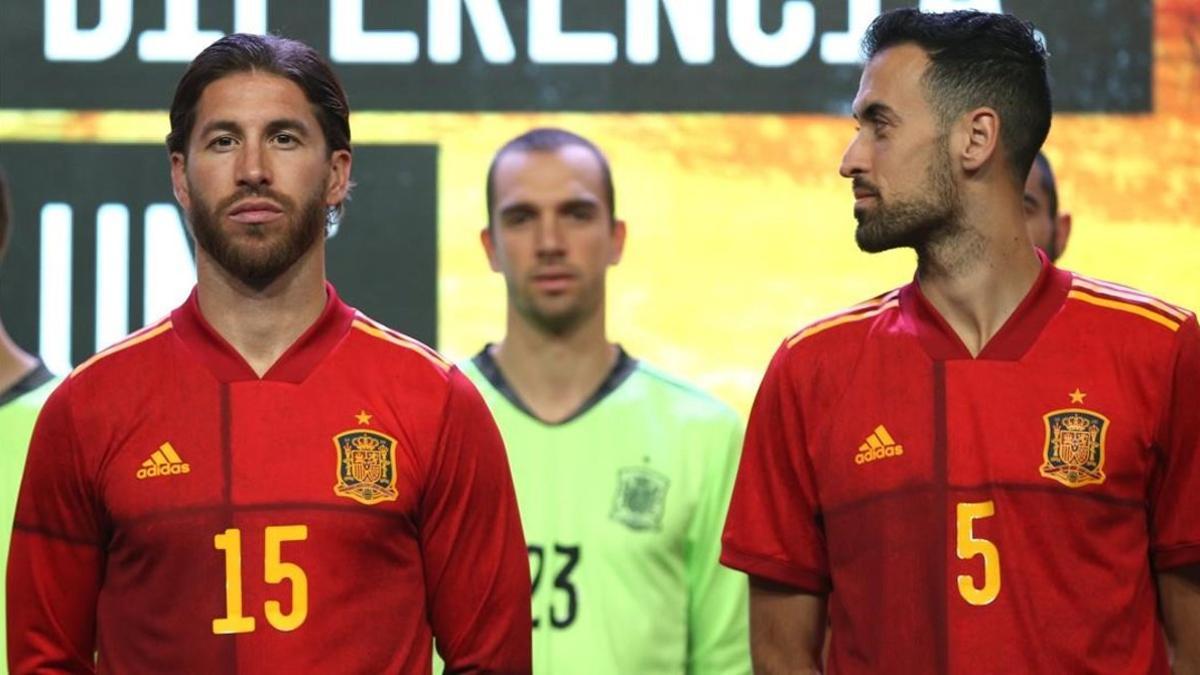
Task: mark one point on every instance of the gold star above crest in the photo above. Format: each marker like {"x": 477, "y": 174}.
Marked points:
{"x": 1077, "y": 396}
{"x": 363, "y": 417}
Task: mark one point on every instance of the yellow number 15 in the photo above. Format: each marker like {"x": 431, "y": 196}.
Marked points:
{"x": 274, "y": 571}
{"x": 969, "y": 547}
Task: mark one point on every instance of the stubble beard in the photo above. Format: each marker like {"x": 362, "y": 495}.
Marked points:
{"x": 555, "y": 320}
{"x": 916, "y": 223}
{"x": 257, "y": 266}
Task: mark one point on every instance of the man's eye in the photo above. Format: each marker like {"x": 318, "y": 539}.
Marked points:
{"x": 286, "y": 139}
{"x": 222, "y": 142}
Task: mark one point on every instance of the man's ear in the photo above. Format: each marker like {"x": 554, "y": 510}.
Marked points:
{"x": 179, "y": 184}
{"x": 489, "y": 247}
{"x": 338, "y": 185}
{"x": 981, "y": 138}
{"x": 1062, "y": 232}
{"x": 618, "y": 236}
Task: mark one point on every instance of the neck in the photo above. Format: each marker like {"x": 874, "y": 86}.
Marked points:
{"x": 261, "y": 323}
{"x": 555, "y": 373}
{"x": 978, "y": 274}
{"x": 15, "y": 363}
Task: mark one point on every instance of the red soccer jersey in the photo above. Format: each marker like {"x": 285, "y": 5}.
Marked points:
{"x": 181, "y": 515}
{"x": 998, "y": 514}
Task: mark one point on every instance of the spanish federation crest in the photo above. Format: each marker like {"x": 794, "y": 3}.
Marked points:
{"x": 1074, "y": 451}
{"x": 366, "y": 466}
{"x": 640, "y": 499}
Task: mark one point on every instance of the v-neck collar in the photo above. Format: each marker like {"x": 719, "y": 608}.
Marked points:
{"x": 1015, "y": 337}
{"x": 296, "y": 363}
{"x": 621, "y": 371}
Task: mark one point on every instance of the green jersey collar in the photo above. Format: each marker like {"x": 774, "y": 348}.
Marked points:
{"x": 621, "y": 370}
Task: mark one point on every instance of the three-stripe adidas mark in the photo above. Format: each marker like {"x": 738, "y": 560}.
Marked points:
{"x": 879, "y": 445}
{"x": 164, "y": 462}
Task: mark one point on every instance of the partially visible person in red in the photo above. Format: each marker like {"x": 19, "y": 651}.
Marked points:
{"x": 995, "y": 468}
{"x": 266, "y": 480}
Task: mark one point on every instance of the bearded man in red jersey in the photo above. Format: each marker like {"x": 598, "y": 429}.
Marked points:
{"x": 267, "y": 480}
{"x": 995, "y": 468}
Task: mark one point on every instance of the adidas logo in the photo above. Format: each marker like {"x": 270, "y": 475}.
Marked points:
{"x": 164, "y": 462}
{"x": 879, "y": 445}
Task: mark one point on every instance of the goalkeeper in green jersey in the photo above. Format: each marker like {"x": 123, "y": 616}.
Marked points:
{"x": 24, "y": 385}
{"x": 623, "y": 473}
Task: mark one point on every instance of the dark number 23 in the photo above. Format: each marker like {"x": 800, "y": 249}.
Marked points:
{"x": 568, "y": 558}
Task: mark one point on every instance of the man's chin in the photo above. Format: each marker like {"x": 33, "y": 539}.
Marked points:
{"x": 871, "y": 240}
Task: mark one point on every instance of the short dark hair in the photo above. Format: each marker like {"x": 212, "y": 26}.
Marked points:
{"x": 242, "y": 52}
{"x": 978, "y": 59}
{"x": 549, "y": 139}
{"x": 1048, "y": 183}
{"x": 5, "y": 213}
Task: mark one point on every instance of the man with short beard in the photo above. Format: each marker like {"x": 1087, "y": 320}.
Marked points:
{"x": 267, "y": 480}
{"x": 622, "y": 471}
{"x": 995, "y": 468}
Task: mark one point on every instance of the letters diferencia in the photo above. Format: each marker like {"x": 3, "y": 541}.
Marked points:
{"x": 690, "y": 23}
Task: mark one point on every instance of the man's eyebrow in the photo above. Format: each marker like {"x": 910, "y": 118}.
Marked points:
{"x": 287, "y": 124}
{"x": 578, "y": 203}
{"x": 220, "y": 125}
{"x": 874, "y": 111}
{"x": 519, "y": 208}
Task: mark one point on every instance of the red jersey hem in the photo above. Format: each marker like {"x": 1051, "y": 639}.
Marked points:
{"x": 806, "y": 580}
{"x": 1176, "y": 556}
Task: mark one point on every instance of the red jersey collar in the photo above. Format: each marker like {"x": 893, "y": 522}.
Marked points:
{"x": 1015, "y": 337}
{"x": 296, "y": 363}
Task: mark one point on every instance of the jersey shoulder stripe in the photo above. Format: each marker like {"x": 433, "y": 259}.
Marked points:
{"x": 147, "y": 333}
{"x": 1119, "y": 292}
{"x": 1128, "y": 301}
{"x": 865, "y": 310}
{"x": 378, "y": 330}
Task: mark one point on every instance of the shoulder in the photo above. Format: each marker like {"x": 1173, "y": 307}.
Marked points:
{"x": 389, "y": 348}
{"x": 839, "y": 335}
{"x": 1125, "y": 308}
{"x": 680, "y": 397}
{"x": 136, "y": 353}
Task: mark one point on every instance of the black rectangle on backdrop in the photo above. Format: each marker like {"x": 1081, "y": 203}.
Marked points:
{"x": 776, "y": 62}
{"x": 383, "y": 259}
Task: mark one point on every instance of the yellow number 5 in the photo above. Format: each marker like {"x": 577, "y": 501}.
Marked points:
{"x": 969, "y": 547}
{"x": 274, "y": 572}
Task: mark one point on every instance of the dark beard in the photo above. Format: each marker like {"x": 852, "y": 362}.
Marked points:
{"x": 914, "y": 223}
{"x": 258, "y": 269}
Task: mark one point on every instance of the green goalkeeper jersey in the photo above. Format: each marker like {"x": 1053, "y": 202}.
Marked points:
{"x": 19, "y": 408}
{"x": 622, "y": 506}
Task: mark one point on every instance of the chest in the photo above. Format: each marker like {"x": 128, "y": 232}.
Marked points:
{"x": 198, "y": 445}
{"x": 1081, "y": 420}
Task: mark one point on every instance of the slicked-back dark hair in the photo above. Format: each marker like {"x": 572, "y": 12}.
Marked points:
{"x": 1048, "y": 183}
{"x": 549, "y": 139}
{"x": 5, "y": 213}
{"x": 978, "y": 59}
{"x": 242, "y": 52}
